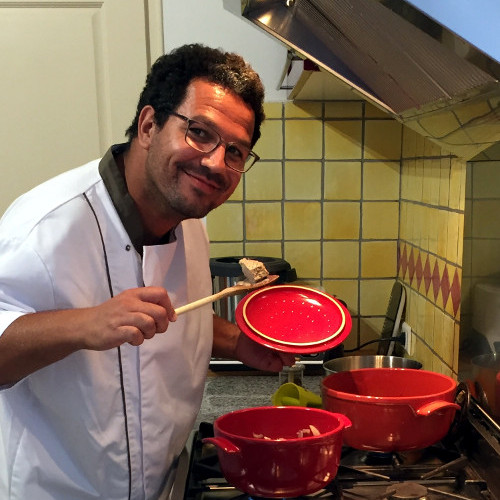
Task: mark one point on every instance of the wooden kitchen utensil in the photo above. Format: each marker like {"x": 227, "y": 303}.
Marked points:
{"x": 238, "y": 289}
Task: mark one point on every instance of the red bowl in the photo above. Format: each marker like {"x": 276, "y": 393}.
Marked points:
{"x": 392, "y": 409}
{"x": 261, "y": 452}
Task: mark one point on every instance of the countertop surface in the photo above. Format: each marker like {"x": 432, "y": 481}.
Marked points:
{"x": 227, "y": 392}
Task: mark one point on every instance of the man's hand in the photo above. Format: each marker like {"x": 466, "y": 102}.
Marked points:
{"x": 231, "y": 343}
{"x": 132, "y": 316}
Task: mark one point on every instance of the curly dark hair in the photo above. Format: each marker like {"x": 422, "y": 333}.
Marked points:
{"x": 171, "y": 74}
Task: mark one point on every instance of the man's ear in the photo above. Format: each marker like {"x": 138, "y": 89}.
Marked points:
{"x": 146, "y": 126}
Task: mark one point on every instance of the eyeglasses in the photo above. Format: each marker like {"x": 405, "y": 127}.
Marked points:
{"x": 203, "y": 138}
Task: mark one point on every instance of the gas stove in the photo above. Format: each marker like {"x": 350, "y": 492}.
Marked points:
{"x": 465, "y": 465}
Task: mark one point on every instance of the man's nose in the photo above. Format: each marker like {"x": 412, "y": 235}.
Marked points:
{"x": 216, "y": 158}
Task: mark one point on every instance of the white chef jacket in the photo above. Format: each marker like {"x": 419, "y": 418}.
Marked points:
{"x": 98, "y": 425}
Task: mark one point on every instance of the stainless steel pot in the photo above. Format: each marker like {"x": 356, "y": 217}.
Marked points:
{"x": 355, "y": 362}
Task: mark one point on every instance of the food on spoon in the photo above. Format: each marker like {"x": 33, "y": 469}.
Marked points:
{"x": 254, "y": 270}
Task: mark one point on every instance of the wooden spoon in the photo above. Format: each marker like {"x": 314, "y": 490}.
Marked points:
{"x": 240, "y": 288}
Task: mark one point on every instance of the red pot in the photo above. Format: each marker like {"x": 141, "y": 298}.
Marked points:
{"x": 261, "y": 452}
{"x": 392, "y": 409}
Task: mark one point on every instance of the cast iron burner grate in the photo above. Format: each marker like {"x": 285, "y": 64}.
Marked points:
{"x": 440, "y": 472}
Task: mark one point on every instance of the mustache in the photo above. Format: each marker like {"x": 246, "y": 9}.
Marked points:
{"x": 205, "y": 172}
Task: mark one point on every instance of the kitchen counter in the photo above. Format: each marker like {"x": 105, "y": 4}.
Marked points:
{"x": 229, "y": 392}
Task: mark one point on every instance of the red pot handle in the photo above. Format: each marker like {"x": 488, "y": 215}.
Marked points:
{"x": 224, "y": 444}
{"x": 435, "y": 406}
{"x": 343, "y": 420}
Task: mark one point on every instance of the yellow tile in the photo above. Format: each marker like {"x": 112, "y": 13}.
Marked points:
{"x": 484, "y": 223}
{"x": 264, "y": 181}
{"x": 378, "y": 259}
{"x": 454, "y": 221}
{"x": 305, "y": 257}
{"x": 302, "y": 180}
{"x": 303, "y": 139}
{"x": 341, "y": 220}
{"x": 374, "y": 297}
{"x": 372, "y": 111}
{"x": 264, "y": 248}
{"x": 303, "y": 109}
{"x": 270, "y": 144}
{"x": 469, "y": 111}
{"x": 273, "y": 109}
{"x": 217, "y": 227}
{"x": 430, "y": 291}
{"x": 444, "y": 184}
{"x": 369, "y": 329}
{"x": 382, "y": 140}
{"x": 429, "y": 333}
{"x": 409, "y": 143}
{"x": 340, "y": 259}
{"x": 343, "y": 140}
{"x": 302, "y": 220}
{"x": 225, "y": 249}
{"x": 263, "y": 221}
{"x": 457, "y": 186}
{"x": 448, "y": 336}
{"x": 486, "y": 177}
{"x": 344, "y": 109}
{"x": 442, "y": 235}
{"x": 486, "y": 262}
{"x": 440, "y": 125}
{"x": 433, "y": 229}
{"x": 238, "y": 192}
{"x": 381, "y": 181}
{"x": 352, "y": 340}
{"x": 380, "y": 220}
{"x": 346, "y": 290}
{"x": 342, "y": 180}
{"x": 403, "y": 217}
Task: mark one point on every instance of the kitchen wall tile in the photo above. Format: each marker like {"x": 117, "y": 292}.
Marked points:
{"x": 369, "y": 329}
{"x": 372, "y": 111}
{"x": 483, "y": 214}
{"x": 383, "y": 140}
{"x": 454, "y": 221}
{"x": 302, "y": 220}
{"x": 440, "y": 125}
{"x": 353, "y": 339}
{"x": 303, "y": 109}
{"x": 264, "y": 181}
{"x": 273, "y": 110}
{"x": 342, "y": 180}
{"x": 378, "y": 259}
{"x": 237, "y": 193}
{"x": 341, "y": 220}
{"x": 270, "y": 144}
{"x": 303, "y": 139}
{"x": 486, "y": 262}
{"x": 409, "y": 148}
{"x": 381, "y": 180}
{"x": 433, "y": 229}
{"x": 374, "y": 297}
{"x": 343, "y": 139}
{"x": 303, "y": 180}
{"x": 457, "y": 184}
{"x": 344, "y": 109}
{"x": 380, "y": 220}
{"x": 264, "y": 249}
{"x": 217, "y": 222}
{"x": 226, "y": 249}
{"x": 263, "y": 221}
{"x": 346, "y": 290}
{"x": 340, "y": 259}
{"x": 444, "y": 184}
{"x": 486, "y": 180}
{"x": 305, "y": 257}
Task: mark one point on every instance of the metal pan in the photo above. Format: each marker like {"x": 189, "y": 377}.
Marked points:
{"x": 356, "y": 362}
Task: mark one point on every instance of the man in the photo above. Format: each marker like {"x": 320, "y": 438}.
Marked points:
{"x": 100, "y": 381}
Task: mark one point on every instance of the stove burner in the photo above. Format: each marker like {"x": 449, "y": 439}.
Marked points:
{"x": 406, "y": 491}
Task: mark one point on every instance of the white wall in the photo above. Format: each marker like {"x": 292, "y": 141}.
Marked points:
{"x": 218, "y": 23}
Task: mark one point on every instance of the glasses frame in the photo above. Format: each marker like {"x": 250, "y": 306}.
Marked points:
{"x": 252, "y": 157}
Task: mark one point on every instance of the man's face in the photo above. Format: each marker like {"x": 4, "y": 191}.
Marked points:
{"x": 183, "y": 182}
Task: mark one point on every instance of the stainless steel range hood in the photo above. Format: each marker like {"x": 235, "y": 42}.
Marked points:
{"x": 423, "y": 73}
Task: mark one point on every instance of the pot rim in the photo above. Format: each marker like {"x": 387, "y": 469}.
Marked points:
{"x": 266, "y": 442}
{"x": 389, "y": 400}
